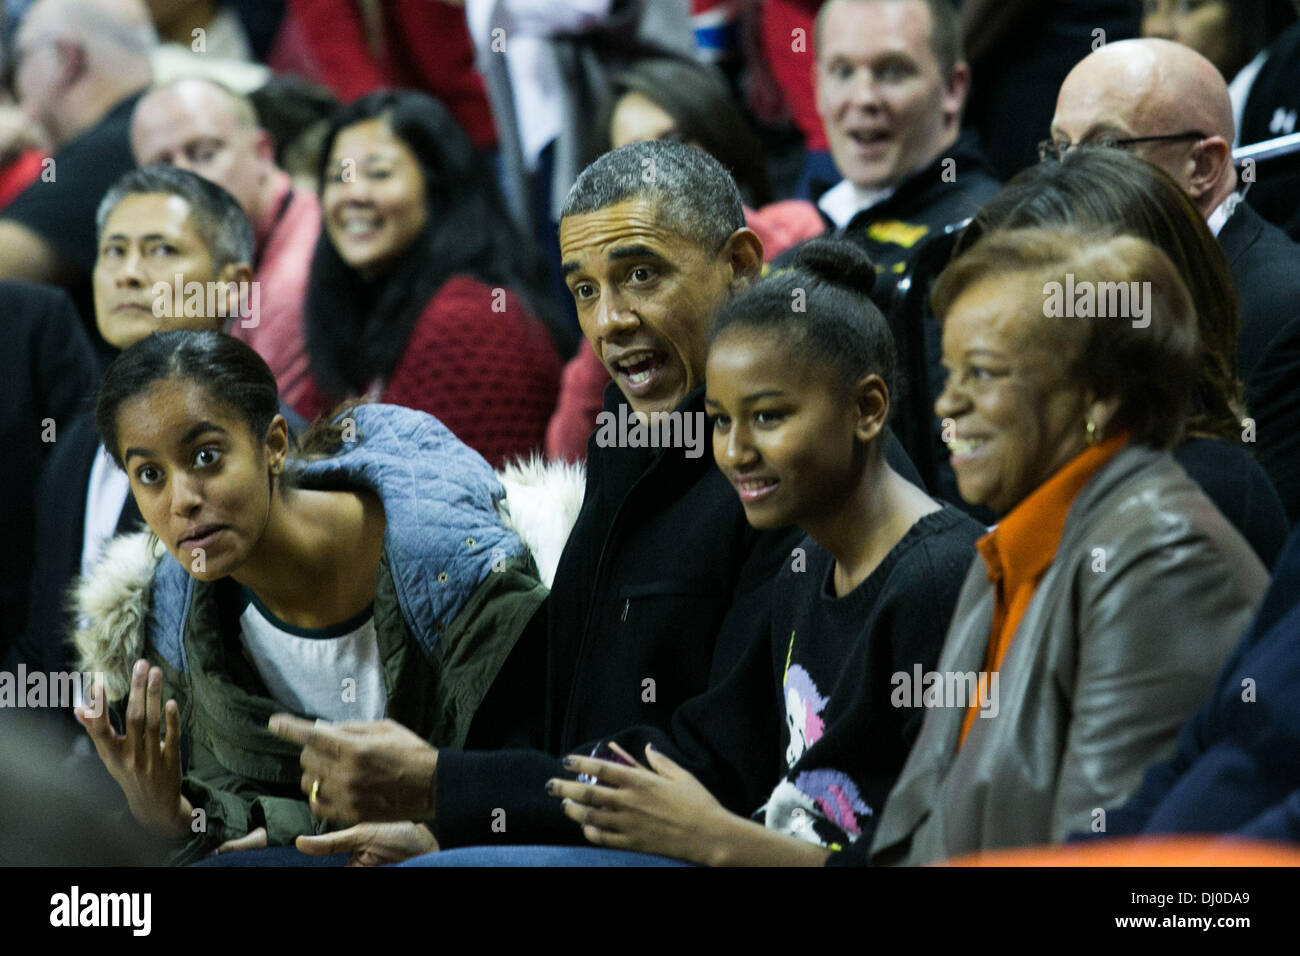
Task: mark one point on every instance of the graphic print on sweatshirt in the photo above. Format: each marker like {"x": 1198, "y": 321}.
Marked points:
{"x": 803, "y": 708}
{"x": 820, "y": 795}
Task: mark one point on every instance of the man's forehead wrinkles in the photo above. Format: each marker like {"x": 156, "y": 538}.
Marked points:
{"x": 594, "y": 238}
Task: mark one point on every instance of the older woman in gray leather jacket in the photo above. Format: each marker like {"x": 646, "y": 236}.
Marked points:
{"x": 1105, "y": 600}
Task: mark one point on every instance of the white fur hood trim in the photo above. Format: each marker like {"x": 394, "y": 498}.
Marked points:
{"x": 111, "y": 602}
{"x": 111, "y": 608}
{"x": 541, "y": 506}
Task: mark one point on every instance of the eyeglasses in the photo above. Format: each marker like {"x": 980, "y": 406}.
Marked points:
{"x": 1051, "y": 149}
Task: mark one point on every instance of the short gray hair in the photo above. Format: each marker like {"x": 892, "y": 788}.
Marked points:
{"x": 217, "y": 217}
{"x": 695, "y": 196}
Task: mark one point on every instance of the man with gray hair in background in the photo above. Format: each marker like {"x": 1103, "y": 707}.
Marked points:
{"x": 1169, "y": 105}
{"x": 79, "y": 66}
{"x": 207, "y": 129}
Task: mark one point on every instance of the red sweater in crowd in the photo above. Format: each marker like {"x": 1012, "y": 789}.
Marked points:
{"x": 426, "y": 46}
{"x": 790, "y": 57}
{"x": 490, "y": 376}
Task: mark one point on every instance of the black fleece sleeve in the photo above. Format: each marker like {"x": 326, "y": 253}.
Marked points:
{"x": 487, "y": 797}
{"x": 727, "y": 736}
{"x": 500, "y": 796}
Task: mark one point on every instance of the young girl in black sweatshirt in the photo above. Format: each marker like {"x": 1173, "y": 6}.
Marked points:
{"x": 813, "y": 725}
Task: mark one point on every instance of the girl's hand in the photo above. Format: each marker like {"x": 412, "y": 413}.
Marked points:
{"x": 147, "y": 768}
{"x": 662, "y": 809}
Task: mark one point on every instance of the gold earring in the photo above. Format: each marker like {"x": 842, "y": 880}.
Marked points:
{"x": 1092, "y": 432}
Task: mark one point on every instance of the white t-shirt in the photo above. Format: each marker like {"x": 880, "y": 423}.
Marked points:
{"x": 106, "y": 495}
{"x": 333, "y": 673}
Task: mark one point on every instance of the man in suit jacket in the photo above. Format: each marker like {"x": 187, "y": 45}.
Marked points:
{"x": 174, "y": 253}
{"x": 46, "y": 374}
{"x": 1169, "y": 105}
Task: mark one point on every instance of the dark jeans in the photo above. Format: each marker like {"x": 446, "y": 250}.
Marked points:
{"x": 275, "y": 856}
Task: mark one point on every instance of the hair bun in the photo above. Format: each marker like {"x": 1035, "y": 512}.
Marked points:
{"x": 838, "y": 262}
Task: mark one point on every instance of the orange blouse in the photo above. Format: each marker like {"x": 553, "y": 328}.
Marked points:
{"x": 1022, "y": 547}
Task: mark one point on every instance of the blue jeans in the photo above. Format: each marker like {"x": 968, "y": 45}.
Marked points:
{"x": 539, "y": 856}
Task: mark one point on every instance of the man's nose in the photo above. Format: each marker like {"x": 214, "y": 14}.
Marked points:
{"x": 863, "y": 91}
{"x": 131, "y": 274}
{"x": 614, "y": 313}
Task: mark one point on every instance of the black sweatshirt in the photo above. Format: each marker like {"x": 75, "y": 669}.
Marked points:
{"x": 803, "y": 734}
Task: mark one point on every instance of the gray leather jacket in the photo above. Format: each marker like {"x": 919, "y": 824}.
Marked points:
{"x": 1105, "y": 667}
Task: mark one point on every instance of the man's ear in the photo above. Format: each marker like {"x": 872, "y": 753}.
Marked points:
{"x": 743, "y": 251}
{"x": 233, "y": 280}
{"x": 955, "y": 91}
{"x": 1209, "y": 158}
{"x": 871, "y": 400}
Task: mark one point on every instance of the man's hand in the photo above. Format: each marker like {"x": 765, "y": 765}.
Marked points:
{"x": 662, "y": 809}
{"x": 373, "y": 844}
{"x": 355, "y": 772}
{"x": 147, "y": 768}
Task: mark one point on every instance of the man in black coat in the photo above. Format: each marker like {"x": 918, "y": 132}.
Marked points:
{"x": 47, "y": 372}
{"x": 1169, "y": 105}
{"x": 891, "y": 85}
{"x": 662, "y": 584}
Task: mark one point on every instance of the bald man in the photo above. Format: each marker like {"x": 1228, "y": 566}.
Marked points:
{"x": 78, "y": 66}
{"x": 1169, "y": 105}
{"x": 206, "y": 129}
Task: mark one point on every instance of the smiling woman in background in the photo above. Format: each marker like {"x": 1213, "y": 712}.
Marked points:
{"x": 1112, "y": 589}
{"x": 419, "y": 293}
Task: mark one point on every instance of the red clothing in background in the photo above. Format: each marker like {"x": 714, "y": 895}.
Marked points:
{"x": 284, "y": 256}
{"x": 426, "y": 47}
{"x": 490, "y": 376}
{"x": 793, "y": 68}
{"x": 19, "y": 174}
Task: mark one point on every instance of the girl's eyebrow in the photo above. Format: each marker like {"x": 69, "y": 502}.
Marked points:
{"x": 200, "y": 429}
